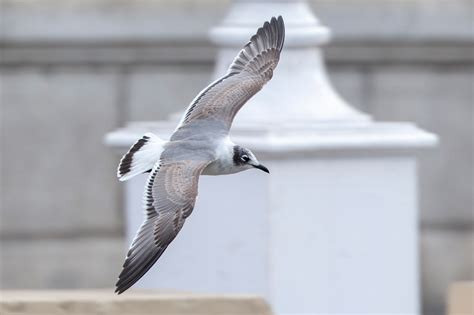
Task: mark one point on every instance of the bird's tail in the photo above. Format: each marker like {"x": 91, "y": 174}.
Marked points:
{"x": 141, "y": 157}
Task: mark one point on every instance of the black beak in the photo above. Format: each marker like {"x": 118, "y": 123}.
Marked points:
{"x": 262, "y": 167}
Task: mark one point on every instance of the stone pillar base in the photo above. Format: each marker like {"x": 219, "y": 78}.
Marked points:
{"x": 332, "y": 229}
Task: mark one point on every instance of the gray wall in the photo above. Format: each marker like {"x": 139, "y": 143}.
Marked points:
{"x": 71, "y": 71}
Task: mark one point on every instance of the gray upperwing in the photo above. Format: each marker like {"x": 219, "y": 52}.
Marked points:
{"x": 170, "y": 194}
{"x": 248, "y": 73}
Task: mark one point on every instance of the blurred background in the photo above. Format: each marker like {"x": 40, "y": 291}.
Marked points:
{"x": 71, "y": 71}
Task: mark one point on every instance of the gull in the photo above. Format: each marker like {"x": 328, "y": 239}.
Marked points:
{"x": 200, "y": 145}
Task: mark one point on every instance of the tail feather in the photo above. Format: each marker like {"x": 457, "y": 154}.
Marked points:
{"x": 141, "y": 157}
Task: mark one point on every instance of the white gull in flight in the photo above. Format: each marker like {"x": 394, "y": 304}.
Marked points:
{"x": 199, "y": 145}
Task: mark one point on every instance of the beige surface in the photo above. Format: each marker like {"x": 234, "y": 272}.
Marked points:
{"x": 133, "y": 302}
{"x": 461, "y": 298}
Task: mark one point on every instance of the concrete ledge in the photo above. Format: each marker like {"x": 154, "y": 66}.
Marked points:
{"x": 141, "y": 302}
{"x": 161, "y": 51}
{"x": 460, "y": 298}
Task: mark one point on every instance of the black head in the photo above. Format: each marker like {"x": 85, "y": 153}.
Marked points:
{"x": 246, "y": 159}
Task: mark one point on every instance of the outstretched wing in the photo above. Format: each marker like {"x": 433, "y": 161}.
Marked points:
{"x": 170, "y": 194}
{"x": 248, "y": 73}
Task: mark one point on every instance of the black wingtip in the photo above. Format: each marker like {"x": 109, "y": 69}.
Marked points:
{"x": 278, "y": 19}
{"x": 279, "y": 25}
{"x": 282, "y": 31}
{"x": 121, "y": 287}
{"x": 118, "y": 289}
{"x": 268, "y": 38}
{"x": 281, "y": 22}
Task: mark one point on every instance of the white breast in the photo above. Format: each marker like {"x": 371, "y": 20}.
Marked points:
{"x": 224, "y": 163}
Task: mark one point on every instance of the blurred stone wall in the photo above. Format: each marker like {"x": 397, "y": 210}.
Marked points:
{"x": 70, "y": 71}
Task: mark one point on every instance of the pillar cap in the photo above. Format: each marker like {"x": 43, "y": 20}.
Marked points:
{"x": 244, "y": 17}
{"x": 304, "y": 138}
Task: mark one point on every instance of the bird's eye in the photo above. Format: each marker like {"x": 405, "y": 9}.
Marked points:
{"x": 245, "y": 158}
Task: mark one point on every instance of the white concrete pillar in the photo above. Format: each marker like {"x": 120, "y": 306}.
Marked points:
{"x": 333, "y": 228}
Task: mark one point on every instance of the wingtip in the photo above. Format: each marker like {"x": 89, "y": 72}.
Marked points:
{"x": 280, "y": 25}
{"x": 117, "y": 288}
{"x": 278, "y": 19}
{"x": 271, "y": 35}
{"x": 120, "y": 287}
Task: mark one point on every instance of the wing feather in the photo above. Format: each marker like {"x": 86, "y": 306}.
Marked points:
{"x": 169, "y": 198}
{"x": 251, "y": 69}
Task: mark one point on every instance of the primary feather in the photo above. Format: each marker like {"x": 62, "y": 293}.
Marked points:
{"x": 249, "y": 72}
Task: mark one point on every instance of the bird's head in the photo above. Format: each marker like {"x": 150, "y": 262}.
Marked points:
{"x": 244, "y": 159}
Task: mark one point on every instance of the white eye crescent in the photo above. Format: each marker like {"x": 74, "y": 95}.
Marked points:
{"x": 245, "y": 158}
